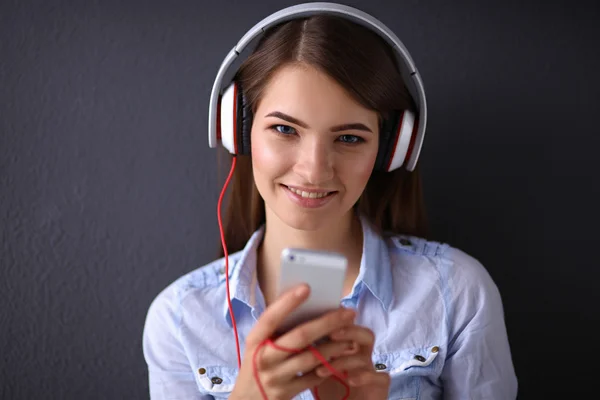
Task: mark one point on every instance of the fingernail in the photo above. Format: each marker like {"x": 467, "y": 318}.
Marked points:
{"x": 348, "y": 314}
{"x": 323, "y": 372}
{"x": 301, "y": 291}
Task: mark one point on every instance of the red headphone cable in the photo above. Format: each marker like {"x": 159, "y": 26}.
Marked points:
{"x": 235, "y": 332}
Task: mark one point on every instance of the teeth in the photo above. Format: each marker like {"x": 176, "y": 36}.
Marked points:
{"x": 308, "y": 195}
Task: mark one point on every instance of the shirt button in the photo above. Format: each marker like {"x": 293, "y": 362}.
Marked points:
{"x": 435, "y": 349}
{"x": 222, "y": 271}
{"x": 201, "y": 371}
{"x": 216, "y": 380}
{"x": 380, "y": 367}
{"x": 420, "y": 358}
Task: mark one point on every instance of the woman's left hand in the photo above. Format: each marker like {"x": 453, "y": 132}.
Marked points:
{"x": 365, "y": 382}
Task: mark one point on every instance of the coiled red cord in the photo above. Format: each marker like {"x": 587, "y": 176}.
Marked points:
{"x": 336, "y": 374}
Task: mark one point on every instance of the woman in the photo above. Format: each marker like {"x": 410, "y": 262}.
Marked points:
{"x": 419, "y": 319}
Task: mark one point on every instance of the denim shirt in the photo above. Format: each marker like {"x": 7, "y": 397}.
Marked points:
{"x": 436, "y": 313}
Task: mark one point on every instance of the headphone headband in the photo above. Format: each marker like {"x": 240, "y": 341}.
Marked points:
{"x": 409, "y": 72}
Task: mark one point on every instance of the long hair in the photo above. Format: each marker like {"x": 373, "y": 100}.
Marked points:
{"x": 364, "y": 64}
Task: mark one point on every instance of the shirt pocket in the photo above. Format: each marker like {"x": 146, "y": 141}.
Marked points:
{"x": 216, "y": 380}
{"x": 407, "y": 367}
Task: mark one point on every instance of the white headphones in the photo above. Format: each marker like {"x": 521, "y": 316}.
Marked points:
{"x": 229, "y": 119}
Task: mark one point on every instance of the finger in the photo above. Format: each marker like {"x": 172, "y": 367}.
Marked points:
{"x": 296, "y": 385}
{"x": 363, "y": 336}
{"x": 307, "y": 361}
{"x": 347, "y": 363}
{"x": 363, "y": 377}
{"x": 309, "y": 332}
{"x": 275, "y": 314}
{"x": 304, "y": 335}
{"x": 307, "y": 381}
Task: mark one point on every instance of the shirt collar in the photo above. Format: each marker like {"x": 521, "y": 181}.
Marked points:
{"x": 242, "y": 278}
{"x": 375, "y": 273}
{"x": 375, "y": 267}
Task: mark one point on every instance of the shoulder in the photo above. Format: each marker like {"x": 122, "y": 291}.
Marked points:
{"x": 452, "y": 262}
{"x": 166, "y": 307}
{"x": 464, "y": 282}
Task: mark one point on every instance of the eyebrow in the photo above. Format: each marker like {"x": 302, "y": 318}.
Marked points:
{"x": 338, "y": 128}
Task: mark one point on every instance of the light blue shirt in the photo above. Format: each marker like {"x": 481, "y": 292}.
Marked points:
{"x": 435, "y": 311}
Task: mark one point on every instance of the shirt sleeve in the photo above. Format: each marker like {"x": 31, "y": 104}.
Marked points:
{"x": 170, "y": 376}
{"x": 478, "y": 363}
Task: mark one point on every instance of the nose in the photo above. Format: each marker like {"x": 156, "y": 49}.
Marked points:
{"x": 314, "y": 161}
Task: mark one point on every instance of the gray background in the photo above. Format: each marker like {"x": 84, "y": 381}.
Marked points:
{"x": 108, "y": 187}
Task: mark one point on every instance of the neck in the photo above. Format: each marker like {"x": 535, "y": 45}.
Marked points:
{"x": 343, "y": 237}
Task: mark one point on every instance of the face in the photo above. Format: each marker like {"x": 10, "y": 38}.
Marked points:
{"x": 313, "y": 148}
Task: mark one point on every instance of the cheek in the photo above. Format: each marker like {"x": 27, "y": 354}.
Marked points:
{"x": 363, "y": 173}
{"x": 266, "y": 160}
{"x": 358, "y": 170}
{"x": 361, "y": 176}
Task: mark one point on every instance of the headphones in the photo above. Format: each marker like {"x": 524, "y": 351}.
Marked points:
{"x": 401, "y": 138}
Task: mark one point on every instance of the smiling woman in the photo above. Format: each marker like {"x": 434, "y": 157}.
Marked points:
{"x": 321, "y": 121}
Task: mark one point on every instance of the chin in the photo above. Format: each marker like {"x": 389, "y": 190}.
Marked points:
{"x": 305, "y": 221}
{"x": 311, "y": 220}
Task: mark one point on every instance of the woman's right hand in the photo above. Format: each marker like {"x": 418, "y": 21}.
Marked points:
{"x": 282, "y": 374}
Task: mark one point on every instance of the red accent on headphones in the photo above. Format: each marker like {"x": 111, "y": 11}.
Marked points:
{"x": 219, "y": 119}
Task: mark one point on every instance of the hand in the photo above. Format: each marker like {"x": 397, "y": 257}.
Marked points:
{"x": 284, "y": 374}
{"x": 364, "y": 381}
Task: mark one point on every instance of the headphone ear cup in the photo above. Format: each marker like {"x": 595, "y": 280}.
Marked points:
{"x": 245, "y": 124}
{"x": 386, "y": 133}
{"x": 397, "y": 139}
{"x": 227, "y": 118}
{"x": 235, "y": 120}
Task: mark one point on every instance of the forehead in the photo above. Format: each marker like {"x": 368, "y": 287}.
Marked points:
{"x": 308, "y": 93}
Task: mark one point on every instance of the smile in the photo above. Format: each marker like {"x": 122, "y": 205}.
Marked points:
{"x": 309, "y": 198}
{"x": 308, "y": 195}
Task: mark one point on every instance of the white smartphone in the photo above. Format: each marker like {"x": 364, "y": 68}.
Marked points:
{"x": 323, "y": 271}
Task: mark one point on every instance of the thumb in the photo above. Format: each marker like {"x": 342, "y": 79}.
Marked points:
{"x": 275, "y": 314}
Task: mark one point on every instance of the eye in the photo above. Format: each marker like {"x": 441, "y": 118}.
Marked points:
{"x": 351, "y": 139}
{"x": 283, "y": 129}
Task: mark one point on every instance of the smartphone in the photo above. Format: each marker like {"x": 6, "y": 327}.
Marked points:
{"x": 323, "y": 271}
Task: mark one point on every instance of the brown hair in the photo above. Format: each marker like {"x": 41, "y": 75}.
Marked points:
{"x": 360, "y": 61}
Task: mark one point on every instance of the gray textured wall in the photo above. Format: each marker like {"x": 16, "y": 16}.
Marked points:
{"x": 108, "y": 188}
